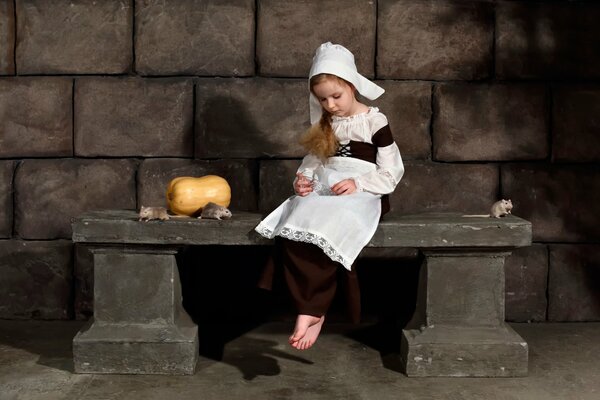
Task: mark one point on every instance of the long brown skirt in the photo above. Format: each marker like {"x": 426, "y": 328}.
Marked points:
{"x": 312, "y": 278}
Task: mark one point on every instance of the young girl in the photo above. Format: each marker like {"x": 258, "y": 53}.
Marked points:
{"x": 341, "y": 189}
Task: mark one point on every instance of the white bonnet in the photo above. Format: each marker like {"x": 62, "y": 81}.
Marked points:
{"x": 337, "y": 60}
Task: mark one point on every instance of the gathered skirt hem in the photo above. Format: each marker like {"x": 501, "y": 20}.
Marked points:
{"x": 299, "y": 235}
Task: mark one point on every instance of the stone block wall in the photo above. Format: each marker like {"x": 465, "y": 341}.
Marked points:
{"x": 102, "y": 103}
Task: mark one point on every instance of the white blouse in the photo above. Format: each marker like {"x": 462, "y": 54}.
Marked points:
{"x": 361, "y": 128}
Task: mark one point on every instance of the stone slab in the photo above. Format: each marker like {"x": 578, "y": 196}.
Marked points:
{"x": 472, "y": 295}
{"x": 458, "y": 326}
{"x": 7, "y": 38}
{"x": 248, "y": 118}
{"x": 526, "y": 272}
{"x": 154, "y": 176}
{"x": 139, "y": 323}
{"x": 574, "y": 284}
{"x": 455, "y": 351}
{"x": 51, "y": 38}
{"x": 276, "y": 179}
{"x": 131, "y": 349}
{"x": 451, "y": 230}
{"x": 123, "y": 226}
{"x": 547, "y": 40}
{"x": 147, "y": 276}
{"x": 431, "y": 230}
{"x": 289, "y": 32}
{"x": 575, "y": 127}
{"x": 553, "y": 198}
{"x": 48, "y": 193}
{"x": 121, "y": 117}
{"x": 490, "y": 122}
{"x": 407, "y": 106}
{"x": 478, "y": 186}
{"x": 36, "y": 117}
{"x": 6, "y": 198}
{"x": 195, "y": 37}
{"x": 438, "y": 40}
{"x": 36, "y": 279}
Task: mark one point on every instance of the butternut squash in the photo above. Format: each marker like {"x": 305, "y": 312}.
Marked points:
{"x": 187, "y": 195}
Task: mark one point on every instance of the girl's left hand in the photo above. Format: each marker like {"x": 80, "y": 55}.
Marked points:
{"x": 347, "y": 186}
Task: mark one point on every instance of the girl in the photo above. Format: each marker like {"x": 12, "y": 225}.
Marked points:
{"x": 341, "y": 189}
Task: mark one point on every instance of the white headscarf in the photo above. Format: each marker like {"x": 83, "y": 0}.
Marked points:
{"x": 337, "y": 60}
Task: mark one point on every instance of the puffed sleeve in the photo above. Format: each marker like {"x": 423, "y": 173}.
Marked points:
{"x": 309, "y": 165}
{"x": 390, "y": 167}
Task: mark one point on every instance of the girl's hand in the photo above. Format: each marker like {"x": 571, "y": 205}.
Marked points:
{"x": 347, "y": 186}
{"x": 302, "y": 185}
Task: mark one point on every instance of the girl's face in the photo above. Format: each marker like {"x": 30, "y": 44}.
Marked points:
{"x": 336, "y": 97}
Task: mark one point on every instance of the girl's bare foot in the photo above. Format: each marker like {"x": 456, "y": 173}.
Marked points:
{"x": 311, "y": 336}
{"x": 306, "y": 331}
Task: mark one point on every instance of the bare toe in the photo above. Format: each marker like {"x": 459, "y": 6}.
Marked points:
{"x": 310, "y": 336}
{"x": 303, "y": 323}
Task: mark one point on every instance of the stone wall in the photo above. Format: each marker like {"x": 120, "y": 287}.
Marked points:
{"x": 103, "y": 102}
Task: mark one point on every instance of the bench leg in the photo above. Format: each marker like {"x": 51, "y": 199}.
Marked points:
{"x": 139, "y": 324}
{"x": 458, "y": 328}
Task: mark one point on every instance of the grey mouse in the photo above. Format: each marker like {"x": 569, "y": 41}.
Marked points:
{"x": 150, "y": 213}
{"x": 215, "y": 211}
{"x": 499, "y": 209}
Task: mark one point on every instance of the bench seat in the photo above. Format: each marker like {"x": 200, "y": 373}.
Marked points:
{"x": 432, "y": 230}
{"x": 458, "y": 329}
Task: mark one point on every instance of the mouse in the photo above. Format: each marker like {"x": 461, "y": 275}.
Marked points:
{"x": 499, "y": 209}
{"x": 150, "y": 213}
{"x": 214, "y": 211}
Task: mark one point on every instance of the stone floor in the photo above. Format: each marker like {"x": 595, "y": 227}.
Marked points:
{"x": 348, "y": 362}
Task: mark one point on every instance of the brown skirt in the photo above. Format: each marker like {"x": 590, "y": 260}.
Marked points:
{"x": 312, "y": 278}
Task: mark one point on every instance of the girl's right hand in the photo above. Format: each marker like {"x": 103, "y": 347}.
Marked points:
{"x": 302, "y": 185}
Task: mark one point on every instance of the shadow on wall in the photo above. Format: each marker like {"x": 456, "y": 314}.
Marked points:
{"x": 446, "y": 21}
{"x": 544, "y": 41}
{"x": 553, "y": 198}
{"x": 536, "y": 39}
{"x": 228, "y": 128}
{"x": 592, "y": 281}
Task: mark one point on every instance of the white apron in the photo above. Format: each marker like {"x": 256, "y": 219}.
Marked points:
{"x": 340, "y": 225}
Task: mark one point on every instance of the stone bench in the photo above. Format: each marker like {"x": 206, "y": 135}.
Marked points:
{"x": 140, "y": 327}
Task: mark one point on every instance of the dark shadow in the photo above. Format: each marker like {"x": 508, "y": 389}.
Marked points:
{"x": 223, "y": 300}
{"x": 556, "y": 41}
{"x": 218, "y": 288}
{"x": 591, "y": 279}
{"x": 389, "y": 295}
{"x": 552, "y": 197}
{"x": 51, "y": 340}
{"x": 257, "y": 357}
{"x": 226, "y": 126}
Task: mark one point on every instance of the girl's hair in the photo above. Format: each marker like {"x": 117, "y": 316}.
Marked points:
{"x": 320, "y": 139}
